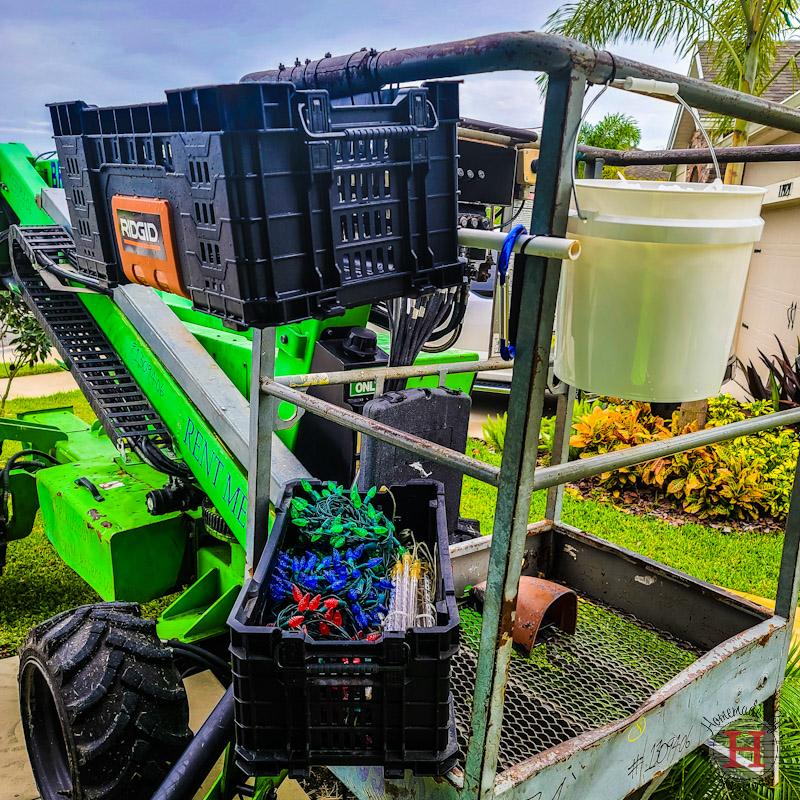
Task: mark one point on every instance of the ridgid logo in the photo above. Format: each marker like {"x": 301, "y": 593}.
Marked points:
{"x": 141, "y": 233}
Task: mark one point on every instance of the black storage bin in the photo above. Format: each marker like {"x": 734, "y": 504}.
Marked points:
{"x": 301, "y": 702}
{"x": 283, "y": 206}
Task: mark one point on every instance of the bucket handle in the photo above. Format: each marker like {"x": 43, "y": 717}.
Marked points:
{"x": 642, "y": 86}
{"x": 668, "y": 89}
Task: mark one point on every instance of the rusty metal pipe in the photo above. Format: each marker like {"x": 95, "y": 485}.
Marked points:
{"x": 385, "y": 433}
{"x": 510, "y": 134}
{"x": 374, "y": 373}
{"x": 606, "y": 462}
{"x": 370, "y": 70}
{"x": 701, "y": 155}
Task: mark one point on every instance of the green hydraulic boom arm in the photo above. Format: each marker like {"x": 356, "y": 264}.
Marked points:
{"x": 118, "y": 548}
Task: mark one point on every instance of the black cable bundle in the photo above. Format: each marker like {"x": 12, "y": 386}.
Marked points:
{"x": 415, "y": 323}
{"x": 153, "y": 455}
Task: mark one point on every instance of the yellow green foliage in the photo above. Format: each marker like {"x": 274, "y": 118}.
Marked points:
{"x": 747, "y": 478}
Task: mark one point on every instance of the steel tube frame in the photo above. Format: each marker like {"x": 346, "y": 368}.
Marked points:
{"x": 751, "y": 154}
{"x": 569, "y": 65}
{"x": 513, "y": 136}
{"x": 537, "y": 282}
{"x": 370, "y": 70}
{"x": 263, "y": 410}
{"x": 607, "y": 462}
{"x": 557, "y": 474}
{"x": 388, "y": 373}
{"x": 185, "y": 779}
{"x": 384, "y": 433}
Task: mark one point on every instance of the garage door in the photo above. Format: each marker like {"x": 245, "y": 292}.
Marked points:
{"x": 772, "y": 295}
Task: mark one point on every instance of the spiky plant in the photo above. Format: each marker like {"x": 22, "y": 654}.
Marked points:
{"x": 782, "y": 385}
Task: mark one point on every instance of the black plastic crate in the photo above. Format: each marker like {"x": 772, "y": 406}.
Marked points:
{"x": 301, "y": 702}
{"x": 282, "y": 206}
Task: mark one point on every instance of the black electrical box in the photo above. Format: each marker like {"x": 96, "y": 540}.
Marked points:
{"x": 327, "y": 450}
{"x": 486, "y": 173}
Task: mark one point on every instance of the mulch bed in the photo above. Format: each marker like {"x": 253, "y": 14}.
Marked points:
{"x": 651, "y": 504}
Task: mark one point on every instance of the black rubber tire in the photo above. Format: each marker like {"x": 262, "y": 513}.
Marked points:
{"x": 104, "y": 711}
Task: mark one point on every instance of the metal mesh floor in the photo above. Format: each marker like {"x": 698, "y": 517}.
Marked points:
{"x": 570, "y": 684}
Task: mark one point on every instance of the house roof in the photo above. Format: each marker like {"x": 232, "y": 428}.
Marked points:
{"x": 647, "y": 172}
{"x": 784, "y": 86}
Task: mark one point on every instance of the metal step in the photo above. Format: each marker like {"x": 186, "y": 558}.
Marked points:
{"x": 122, "y": 408}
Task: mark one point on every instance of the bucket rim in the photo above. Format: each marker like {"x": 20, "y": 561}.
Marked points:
{"x": 652, "y": 187}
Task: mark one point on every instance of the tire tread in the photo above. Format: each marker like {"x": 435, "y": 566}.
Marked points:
{"x": 121, "y": 695}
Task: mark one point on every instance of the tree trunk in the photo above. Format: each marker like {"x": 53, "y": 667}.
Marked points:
{"x": 697, "y": 411}
{"x": 739, "y": 138}
{"x": 13, "y": 369}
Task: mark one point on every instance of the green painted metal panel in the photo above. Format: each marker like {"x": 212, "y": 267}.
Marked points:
{"x": 36, "y": 435}
{"x": 114, "y": 544}
{"x": 219, "y": 474}
{"x": 79, "y": 441}
{"x": 24, "y": 504}
{"x": 20, "y": 184}
{"x": 231, "y": 349}
{"x": 203, "y": 608}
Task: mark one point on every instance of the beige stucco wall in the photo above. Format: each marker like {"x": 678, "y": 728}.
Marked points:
{"x": 764, "y": 174}
{"x": 772, "y": 297}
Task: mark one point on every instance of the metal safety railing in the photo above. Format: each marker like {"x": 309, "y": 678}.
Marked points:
{"x": 570, "y": 66}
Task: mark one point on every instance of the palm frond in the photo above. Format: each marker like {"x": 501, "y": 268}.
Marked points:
{"x": 604, "y": 22}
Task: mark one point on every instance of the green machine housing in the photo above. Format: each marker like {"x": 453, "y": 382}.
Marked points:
{"x": 93, "y": 500}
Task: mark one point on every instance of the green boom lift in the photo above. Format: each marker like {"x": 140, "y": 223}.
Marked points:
{"x": 96, "y": 497}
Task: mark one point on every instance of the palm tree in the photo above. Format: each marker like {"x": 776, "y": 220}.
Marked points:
{"x": 614, "y": 132}
{"x": 744, "y": 34}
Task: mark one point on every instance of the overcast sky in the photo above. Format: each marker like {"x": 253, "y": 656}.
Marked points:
{"x": 121, "y": 52}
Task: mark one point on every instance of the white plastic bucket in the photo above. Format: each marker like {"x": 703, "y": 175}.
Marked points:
{"x": 649, "y": 310}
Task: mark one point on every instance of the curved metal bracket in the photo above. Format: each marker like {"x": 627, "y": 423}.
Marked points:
{"x": 541, "y": 604}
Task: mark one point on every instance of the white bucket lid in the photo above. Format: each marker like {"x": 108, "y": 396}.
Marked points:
{"x": 668, "y": 212}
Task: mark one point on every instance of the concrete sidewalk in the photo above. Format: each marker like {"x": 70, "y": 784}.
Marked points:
{"x": 39, "y": 385}
{"x": 16, "y": 778}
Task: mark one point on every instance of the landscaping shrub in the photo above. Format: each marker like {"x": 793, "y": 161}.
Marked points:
{"x": 782, "y": 386}
{"x": 494, "y": 429}
{"x": 494, "y": 433}
{"x": 747, "y": 478}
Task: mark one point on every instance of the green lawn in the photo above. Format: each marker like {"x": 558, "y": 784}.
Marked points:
{"x": 37, "y": 584}
{"x": 747, "y": 562}
{"x": 36, "y": 369}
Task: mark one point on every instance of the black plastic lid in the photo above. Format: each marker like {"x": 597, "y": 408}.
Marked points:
{"x": 361, "y": 343}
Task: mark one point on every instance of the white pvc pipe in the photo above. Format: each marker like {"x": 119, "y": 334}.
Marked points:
{"x": 647, "y": 86}
{"x": 547, "y": 246}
